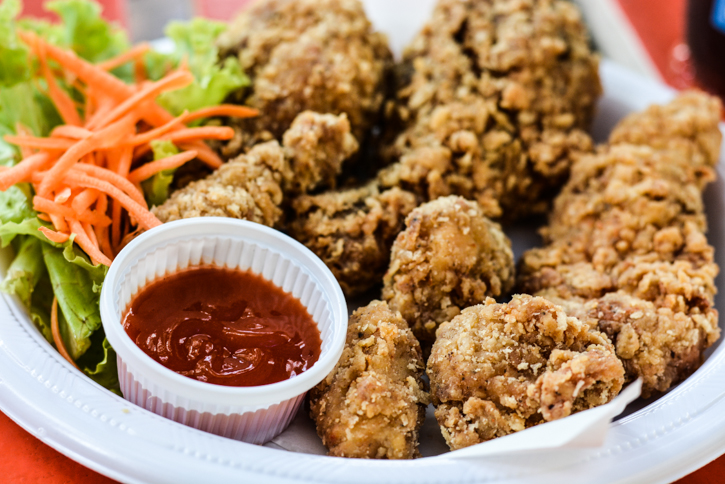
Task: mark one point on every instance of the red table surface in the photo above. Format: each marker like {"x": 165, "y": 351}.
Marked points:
{"x": 26, "y": 460}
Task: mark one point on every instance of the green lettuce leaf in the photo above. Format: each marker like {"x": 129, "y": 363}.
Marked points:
{"x": 99, "y": 362}
{"x": 25, "y": 271}
{"x": 156, "y": 188}
{"x": 194, "y": 43}
{"x": 73, "y": 287}
{"x": 14, "y": 66}
{"x": 40, "y": 304}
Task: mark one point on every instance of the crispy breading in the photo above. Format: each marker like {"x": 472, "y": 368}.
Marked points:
{"x": 450, "y": 256}
{"x": 499, "y": 368}
{"x": 318, "y": 55}
{"x": 255, "y": 185}
{"x": 352, "y": 231}
{"x": 373, "y": 403}
{"x": 317, "y": 145}
{"x": 494, "y": 99}
{"x": 248, "y": 187}
{"x": 627, "y": 234}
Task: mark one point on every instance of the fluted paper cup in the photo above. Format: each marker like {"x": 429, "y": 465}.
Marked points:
{"x": 251, "y": 414}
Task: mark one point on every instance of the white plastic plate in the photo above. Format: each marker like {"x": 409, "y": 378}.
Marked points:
{"x": 665, "y": 439}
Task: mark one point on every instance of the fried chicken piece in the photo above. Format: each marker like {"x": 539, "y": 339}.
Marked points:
{"x": 627, "y": 234}
{"x": 316, "y": 145}
{"x": 318, "y": 55}
{"x": 352, "y": 231}
{"x": 500, "y": 368}
{"x": 253, "y": 186}
{"x": 449, "y": 257}
{"x": 248, "y": 187}
{"x": 373, "y": 403}
{"x": 495, "y": 99}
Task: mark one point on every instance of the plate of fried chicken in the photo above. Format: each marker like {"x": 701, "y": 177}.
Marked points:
{"x": 521, "y": 231}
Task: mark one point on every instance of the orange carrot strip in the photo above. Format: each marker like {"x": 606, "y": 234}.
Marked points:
{"x": 87, "y": 244}
{"x": 23, "y": 130}
{"x": 53, "y": 236}
{"x": 71, "y": 132}
{"x": 58, "y": 222}
{"x": 23, "y": 170}
{"x": 123, "y": 168}
{"x": 104, "y": 242}
{"x": 117, "y": 180}
{"x": 63, "y": 102}
{"x": 230, "y": 110}
{"x": 204, "y": 153}
{"x": 106, "y": 137}
{"x": 87, "y": 216}
{"x": 91, "y": 234}
{"x": 175, "y": 80}
{"x": 145, "y": 219}
{"x": 39, "y": 143}
{"x": 203, "y": 132}
{"x": 150, "y": 169}
{"x": 156, "y": 133}
{"x": 86, "y": 72}
{"x": 85, "y": 199}
{"x": 134, "y": 53}
{"x": 44, "y": 217}
{"x": 55, "y": 330}
{"x": 63, "y": 195}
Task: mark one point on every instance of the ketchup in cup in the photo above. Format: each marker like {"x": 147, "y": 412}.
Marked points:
{"x": 223, "y": 326}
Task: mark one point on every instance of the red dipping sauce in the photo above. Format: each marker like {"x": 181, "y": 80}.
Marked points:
{"x": 223, "y": 326}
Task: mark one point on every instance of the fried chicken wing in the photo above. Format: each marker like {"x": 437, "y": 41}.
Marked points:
{"x": 352, "y": 231}
{"x": 254, "y": 186}
{"x": 373, "y": 403}
{"x": 627, "y": 237}
{"x": 500, "y": 368}
{"x": 317, "y": 55}
{"x": 450, "y": 256}
{"x": 494, "y": 100}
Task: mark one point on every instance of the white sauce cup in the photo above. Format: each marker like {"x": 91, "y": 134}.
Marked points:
{"x": 251, "y": 414}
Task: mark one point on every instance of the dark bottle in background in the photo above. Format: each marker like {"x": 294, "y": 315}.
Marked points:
{"x": 706, "y": 39}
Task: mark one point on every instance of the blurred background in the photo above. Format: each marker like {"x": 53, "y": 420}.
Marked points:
{"x": 647, "y": 36}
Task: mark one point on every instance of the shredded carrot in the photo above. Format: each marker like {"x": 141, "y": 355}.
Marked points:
{"x": 82, "y": 173}
{"x": 150, "y": 169}
{"x": 71, "y": 132}
{"x": 23, "y": 170}
{"x": 174, "y": 80}
{"x": 53, "y": 236}
{"x": 39, "y": 143}
{"x": 134, "y": 53}
{"x": 63, "y": 102}
{"x": 229, "y": 110}
{"x": 87, "y": 244}
{"x": 142, "y": 215}
{"x": 55, "y": 330}
{"x": 50, "y": 207}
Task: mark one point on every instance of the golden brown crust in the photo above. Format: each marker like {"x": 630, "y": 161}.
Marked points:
{"x": 352, "y": 230}
{"x": 494, "y": 100}
{"x": 318, "y": 55}
{"x": 627, "y": 233}
{"x": 373, "y": 403}
{"x": 248, "y": 187}
{"x": 254, "y": 186}
{"x": 499, "y": 368}
{"x": 450, "y": 256}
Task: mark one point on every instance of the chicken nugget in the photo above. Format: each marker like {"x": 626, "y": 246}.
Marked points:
{"x": 500, "y": 368}
{"x": 450, "y": 256}
{"x": 373, "y": 403}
